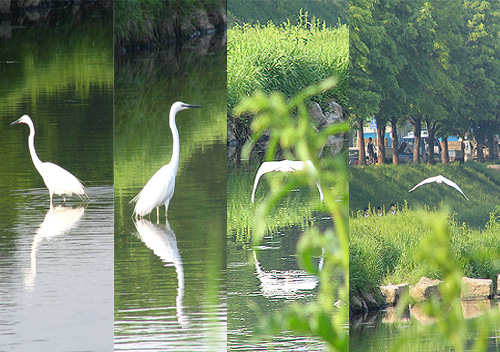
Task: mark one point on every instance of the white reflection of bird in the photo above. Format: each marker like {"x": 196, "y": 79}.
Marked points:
{"x": 162, "y": 241}
{"x": 283, "y": 166}
{"x": 160, "y": 188}
{"x": 284, "y": 283}
{"x": 440, "y": 179}
{"x": 58, "y": 221}
{"x": 58, "y": 180}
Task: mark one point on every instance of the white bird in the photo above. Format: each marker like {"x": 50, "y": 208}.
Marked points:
{"x": 160, "y": 188}
{"x": 440, "y": 179}
{"x": 58, "y": 180}
{"x": 283, "y": 166}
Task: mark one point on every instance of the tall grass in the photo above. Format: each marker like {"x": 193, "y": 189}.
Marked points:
{"x": 382, "y": 249}
{"x": 287, "y": 58}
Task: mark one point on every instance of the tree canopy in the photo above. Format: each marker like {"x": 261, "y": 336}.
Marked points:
{"x": 432, "y": 62}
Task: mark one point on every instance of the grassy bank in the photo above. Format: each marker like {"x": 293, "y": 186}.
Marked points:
{"x": 386, "y": 249}
{"x": 286, "y": 58}
{"x": 385, "y": 184}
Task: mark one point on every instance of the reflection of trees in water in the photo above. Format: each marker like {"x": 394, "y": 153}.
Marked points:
{"x": 162, "y": 241}
{"x": 58, "y": 221}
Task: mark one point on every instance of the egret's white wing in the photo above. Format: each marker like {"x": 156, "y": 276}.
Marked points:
{"x": 156, "y": 192}
{"x": 60, "y": 181}
{"x": 283, "y": 166}
{"x": 264, "y": 168}
{"x": 454, "y": 185}
{"x": 427, "y": 180}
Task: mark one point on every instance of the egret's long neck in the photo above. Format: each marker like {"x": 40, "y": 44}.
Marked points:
{"x": 176, "y": 144}
{"x": 31, "y": 145}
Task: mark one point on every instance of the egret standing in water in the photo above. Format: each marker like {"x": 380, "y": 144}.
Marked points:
{"x": 283, "y": 166}
{"x": 160, "y": 188}
{"x": 58, "y": 180}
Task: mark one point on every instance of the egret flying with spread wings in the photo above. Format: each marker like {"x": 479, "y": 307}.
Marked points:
{"x": 440, "y": 179}
{"x": 283, "y": 166}
{"x": 159, "y": 190}
{"x": 58, "y": 180}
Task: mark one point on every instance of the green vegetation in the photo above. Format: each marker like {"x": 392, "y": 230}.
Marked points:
{"x": 293, "y": 131}
{"x": 403, "y": 247}
{"x": 433, "y": 64}
{"x": 436, "y": 233}
{"x": 383, "y": 249}
{"x": 386, "y": 184}
{"x": 286, "y": 58}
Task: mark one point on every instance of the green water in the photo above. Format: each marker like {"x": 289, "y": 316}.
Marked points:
{"x": 56, "y": 264}
{"x": 170, "y": 277}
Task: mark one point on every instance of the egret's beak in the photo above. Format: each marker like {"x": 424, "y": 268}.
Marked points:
{"x": 192, "y": 106}
{"x": 15, "y": 122}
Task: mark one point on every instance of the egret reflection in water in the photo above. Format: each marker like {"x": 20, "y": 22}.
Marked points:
{"x": 284, "y": 283}
{"x": 58, "y": 221}
{"x": 162, "y": 241}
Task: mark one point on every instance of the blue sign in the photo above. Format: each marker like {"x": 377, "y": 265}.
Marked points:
{"x": 373, "y": 124}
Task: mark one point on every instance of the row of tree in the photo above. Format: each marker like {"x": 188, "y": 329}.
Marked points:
{"x": 434, "y": 63}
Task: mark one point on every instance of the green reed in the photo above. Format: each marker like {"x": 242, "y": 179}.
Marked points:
{"x": 287, "y": 58}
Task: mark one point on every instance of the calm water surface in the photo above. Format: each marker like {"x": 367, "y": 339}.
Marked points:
{"x": 170, "y": 278}
{"x": 56, "y": 264}
{"x": 266, "y": 279}
{"x": 380, "y": 331}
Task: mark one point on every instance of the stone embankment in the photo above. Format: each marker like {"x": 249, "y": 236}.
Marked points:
{"x": 238, "y": 132}
{"x": 424, "y": 289}
{"x": 167, "y": 30}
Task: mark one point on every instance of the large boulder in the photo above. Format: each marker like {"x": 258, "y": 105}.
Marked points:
{"x": 325, "y": 118}
{"x": 425, "y": 289}
{"x": 390, "y": 293}
{"x": 476, "y": 288}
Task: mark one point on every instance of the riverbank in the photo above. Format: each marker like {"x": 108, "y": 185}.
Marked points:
{"x": 388, "y": 249}
{"x": 146, "y": 25}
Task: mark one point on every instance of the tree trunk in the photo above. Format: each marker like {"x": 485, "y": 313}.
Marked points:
{"x": 479, "y": 150}
{"x": 491, "y": 147}
{"x": 417, "y": 130}
{"x": 361, "y": 143}
{"x": 430, "y": 150}
{"x": 395, "y": 144}
{"x": 445, "y": 156}
{"x": 381, "y": 144}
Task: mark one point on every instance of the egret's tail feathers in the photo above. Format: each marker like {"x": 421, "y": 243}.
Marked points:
{"x": 135, "y": 199}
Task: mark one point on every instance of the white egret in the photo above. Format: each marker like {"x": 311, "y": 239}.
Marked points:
{"x": 283, "y": 166}
{"x": 160, "y": 188}
{"x": 440, "y": 179}
{"x": 58, "y": 180}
